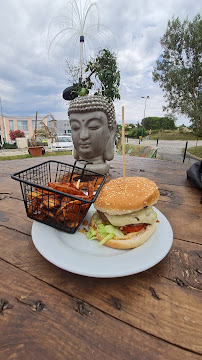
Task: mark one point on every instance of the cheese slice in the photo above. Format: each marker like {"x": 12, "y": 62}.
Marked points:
{"x": 145, "y": 216}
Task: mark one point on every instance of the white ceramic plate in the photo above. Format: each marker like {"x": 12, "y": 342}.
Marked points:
{"x": 77, "y": 254}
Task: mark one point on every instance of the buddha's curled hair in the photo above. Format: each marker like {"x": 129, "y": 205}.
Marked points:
{"x": 90, "y": 103}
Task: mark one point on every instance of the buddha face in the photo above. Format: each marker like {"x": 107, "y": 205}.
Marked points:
{"x": 90, "y": 133}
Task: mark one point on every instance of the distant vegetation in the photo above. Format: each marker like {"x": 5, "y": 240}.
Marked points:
{"x": 172, "y": 135}
{"x": 9, "y": 146}
{"x": 156, "y": 123}
{"x": 178, "y": 69}
{"x": 26, "y": 156}
{"x": 197, "y": 151}
{"x": 163, "y": 128}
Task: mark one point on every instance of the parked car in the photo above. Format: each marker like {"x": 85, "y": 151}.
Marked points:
{"x": 63, "y": 142}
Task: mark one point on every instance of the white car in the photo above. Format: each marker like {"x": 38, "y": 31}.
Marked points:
{"x": 62, "y": 143}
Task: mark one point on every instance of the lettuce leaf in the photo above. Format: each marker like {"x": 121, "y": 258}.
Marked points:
{"x": 91, "y": 234}
{"x": 106, "y": 238}
{"x": 110, "y": 229}
{"x": 102, "y": 231}
{"x": 106, "y": 232}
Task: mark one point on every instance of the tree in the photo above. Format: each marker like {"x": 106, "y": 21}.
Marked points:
{"x": 50, "y": 132}
{"x": 179, "y": 69}
{"x": 136, "y": 132}
{"x": 105, "y": 69}
{"x": 151, "y": 123}
{"x": 157, "y": 123}
{"x": 102, "y": 69}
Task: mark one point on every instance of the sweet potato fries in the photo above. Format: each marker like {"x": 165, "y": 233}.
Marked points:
{"x": 67, "y": 210}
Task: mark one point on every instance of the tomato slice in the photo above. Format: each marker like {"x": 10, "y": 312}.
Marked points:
{"x": 132, "y": 228}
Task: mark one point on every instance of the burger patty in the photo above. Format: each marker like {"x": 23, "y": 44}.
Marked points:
{"x": 144, "y": 216}
{"x": 102, "y": 215}
{"x": 125, "y": 229}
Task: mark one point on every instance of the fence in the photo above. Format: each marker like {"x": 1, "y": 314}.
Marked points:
{"x": 170, "y": 150}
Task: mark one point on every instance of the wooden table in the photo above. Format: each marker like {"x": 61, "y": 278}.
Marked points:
{"x": 48, "y": 313}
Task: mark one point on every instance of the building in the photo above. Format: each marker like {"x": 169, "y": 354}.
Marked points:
{"x": 25, "y": 124}
{"x": 63, "y": 127}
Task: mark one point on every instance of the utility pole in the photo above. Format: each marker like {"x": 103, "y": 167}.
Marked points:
{"x": 2, "y": 122}
{"x": 146, "y": 98}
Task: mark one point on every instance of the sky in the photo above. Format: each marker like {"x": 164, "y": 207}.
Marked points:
{"x": 33, "y": 71}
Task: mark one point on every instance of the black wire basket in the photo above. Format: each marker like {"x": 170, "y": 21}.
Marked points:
{"x": 64, "y": 210}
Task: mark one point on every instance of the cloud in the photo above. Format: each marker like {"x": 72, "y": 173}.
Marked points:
{"x": 31, "y": 80}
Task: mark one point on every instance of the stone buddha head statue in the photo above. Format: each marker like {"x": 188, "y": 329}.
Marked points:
{"x": 93, "y": 127}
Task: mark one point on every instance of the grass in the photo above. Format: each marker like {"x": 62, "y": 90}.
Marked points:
{"x": 172, "y": 135}
{"x": 3, "y": 158}
{"x": 26, "y": 156}
{"x": 197, "y": 151}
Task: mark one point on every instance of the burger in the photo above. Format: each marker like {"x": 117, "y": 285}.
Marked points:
{"x": 124, "y": 217}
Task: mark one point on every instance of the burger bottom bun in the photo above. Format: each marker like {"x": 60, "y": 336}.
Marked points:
{"x": 132, "y": 242}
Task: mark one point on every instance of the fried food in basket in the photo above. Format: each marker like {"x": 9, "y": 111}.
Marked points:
{"x": 81, "y": 184}
{"x": 43, "y": 204}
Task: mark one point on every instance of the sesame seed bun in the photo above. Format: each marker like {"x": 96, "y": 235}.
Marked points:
{"x": 125, "y": 195}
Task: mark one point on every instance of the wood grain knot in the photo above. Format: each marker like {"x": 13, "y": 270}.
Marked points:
{"x": 179, "y": 282}
{"x": 154, "y": 294}
{"x": 164, "y": 192}
{"x": 4, "y": 304}
{"x": 116, "y": 303}
{"x": 80, "y": 307}
{"x": 37, "y": 306}
{"x": 3, "y": 218}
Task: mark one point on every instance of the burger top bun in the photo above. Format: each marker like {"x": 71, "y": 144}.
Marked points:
{"x": 125, "y": 195}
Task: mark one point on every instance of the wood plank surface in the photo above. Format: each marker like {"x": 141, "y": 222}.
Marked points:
{"x": 38, "y": 326}
{"x": 185, "y": 224}
{"x": 13, "y": 215}
{"x": 181, "y": 195}
{"x": 156, "y": 170}
{"x": 170, "y": 193}
{"x": 155, "y": 313}
{"x": 162, "y": 307}
{"x": 185, "y": 221}
{"x": 132, "y": 164}
{"x": 182, "y": 264}
{"x": 162, "y": 172}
